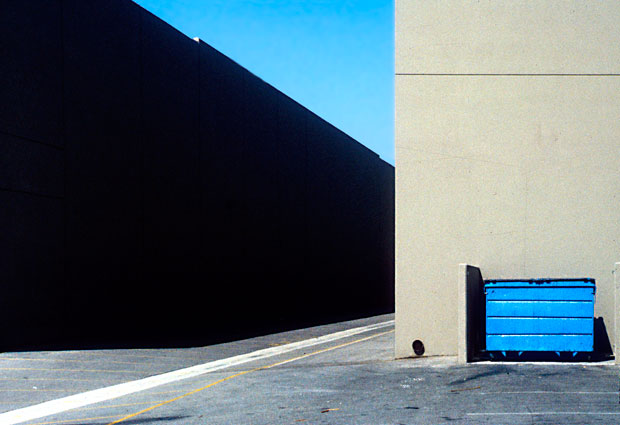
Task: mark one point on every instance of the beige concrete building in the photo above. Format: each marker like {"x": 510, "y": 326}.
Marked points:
{"x": 507, "y": 152}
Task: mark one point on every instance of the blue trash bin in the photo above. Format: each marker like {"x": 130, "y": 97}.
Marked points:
{"x": 540, "y": 315}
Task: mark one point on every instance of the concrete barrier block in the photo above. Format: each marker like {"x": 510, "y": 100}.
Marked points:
{"x": 617, "y": 312}
{"x": 470, "y": 312}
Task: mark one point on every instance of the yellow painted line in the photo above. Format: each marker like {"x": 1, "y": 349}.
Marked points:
{"x": 71, "y": 370}
{"x": 133, "y": 415}
{"x": 64, "y": 404}
{"x": 168, "y": 392}
{"x": 67, "y": 360}
{"x": 111, "y": 406}
{"x": 76, "y": 420}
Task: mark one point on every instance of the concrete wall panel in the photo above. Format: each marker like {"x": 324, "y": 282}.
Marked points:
{"x": 322, "y": 262}
{"x": 31, "y": 167}
{"x": 170, "y": 128}
{"x": 515, "y": 173}
{"x": 223, "y": 139}
{"x": 104, "y": 162}
{"x": 31, "y": 269}
{"x": 496, "y": 37}
{"x": 261, "y": 175}
{"x": 221, "y": 146}
{"x": 292, "y": 176}
{"x": 31, "y": 70}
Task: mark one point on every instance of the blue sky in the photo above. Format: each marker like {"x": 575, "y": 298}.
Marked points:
{"x": 335, "y": 57}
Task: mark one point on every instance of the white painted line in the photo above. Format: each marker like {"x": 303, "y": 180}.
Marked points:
{"x": 541, "y": 413}
{"x": 103, "y": 394}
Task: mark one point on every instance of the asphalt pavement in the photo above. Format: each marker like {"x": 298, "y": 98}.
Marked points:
{"x": 342, "y": 373}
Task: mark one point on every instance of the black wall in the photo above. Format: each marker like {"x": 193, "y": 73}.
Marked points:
{"x": 153, "y": 192}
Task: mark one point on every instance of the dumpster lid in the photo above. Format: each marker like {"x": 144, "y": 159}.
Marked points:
{"x": 584, "y": 282}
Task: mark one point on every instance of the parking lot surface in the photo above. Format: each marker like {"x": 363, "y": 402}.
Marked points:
{"x": 342, "y": 373}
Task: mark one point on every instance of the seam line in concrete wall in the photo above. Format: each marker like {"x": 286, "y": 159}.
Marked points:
{"x": 25, "y": 192}
{"x": 446, "y": 155}
{"x": 28, "y": 139}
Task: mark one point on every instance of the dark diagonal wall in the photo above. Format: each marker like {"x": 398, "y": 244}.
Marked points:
{"x": 154, "y": 192}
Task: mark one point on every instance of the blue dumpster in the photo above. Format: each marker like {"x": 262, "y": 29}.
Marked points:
{"x": 540, "y": 315}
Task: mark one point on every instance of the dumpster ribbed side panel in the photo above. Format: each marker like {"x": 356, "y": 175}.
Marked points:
{"x": 538, "y": 325}
{"x": 540, "y": 315}
{"x": 539, "y": 342}
{"x": 558, "y": 309}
